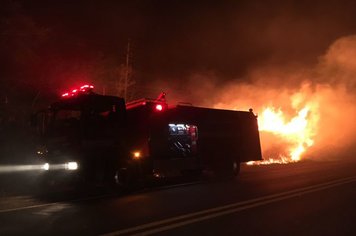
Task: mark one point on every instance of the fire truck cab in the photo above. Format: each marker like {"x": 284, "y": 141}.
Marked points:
{"x": 82, "y": 137}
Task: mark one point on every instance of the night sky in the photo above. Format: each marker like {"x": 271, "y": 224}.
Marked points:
{"x": 50, "y": 45}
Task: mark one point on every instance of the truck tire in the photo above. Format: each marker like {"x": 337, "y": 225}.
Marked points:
{"x": 125, "y": 179}
{"x": 121, "y": 178}
{"x": 236, "y": 167}
{"x": 229, "y": 170}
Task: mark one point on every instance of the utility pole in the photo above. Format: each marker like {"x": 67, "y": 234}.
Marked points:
{"x": 124, "y": 82}
{"x": 127, "y": 70}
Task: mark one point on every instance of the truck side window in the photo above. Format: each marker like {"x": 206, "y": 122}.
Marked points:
{"x": 182, "y": 140}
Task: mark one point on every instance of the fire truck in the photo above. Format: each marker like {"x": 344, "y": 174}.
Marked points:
{"x": 87, "y": 137}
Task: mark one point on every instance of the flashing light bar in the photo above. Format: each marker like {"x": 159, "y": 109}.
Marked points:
{"x": 85, "y": 87}
{"x": 82, "y": 89}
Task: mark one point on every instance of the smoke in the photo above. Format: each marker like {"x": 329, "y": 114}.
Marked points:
{"x": 336, "y": 94}
{"x": 328, "y": 89}
{"x": 338, "y": 65}
{"x": 336, "y": 127}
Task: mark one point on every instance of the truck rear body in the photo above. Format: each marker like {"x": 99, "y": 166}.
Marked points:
{"x": 187, "y": 138}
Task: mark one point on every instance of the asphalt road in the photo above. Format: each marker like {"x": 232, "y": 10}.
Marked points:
{"x": 306, "y": 198}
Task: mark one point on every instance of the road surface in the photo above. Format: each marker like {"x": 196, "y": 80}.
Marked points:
{"x": 306, "y": 198}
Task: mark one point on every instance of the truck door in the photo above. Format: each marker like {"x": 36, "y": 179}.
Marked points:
{"x": 180, "y": 151}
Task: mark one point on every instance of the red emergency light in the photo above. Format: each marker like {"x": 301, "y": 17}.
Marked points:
{"x": 86, "y": 87}
{"x": 159, "y": 107}
{"x": 83, "y": 89}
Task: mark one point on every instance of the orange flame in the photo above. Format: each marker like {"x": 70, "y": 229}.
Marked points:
{"x": 298, "y": 132}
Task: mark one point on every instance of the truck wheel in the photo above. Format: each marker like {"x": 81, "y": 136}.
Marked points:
{"x": 229, "y": 170}
{"x": 124, "y": 179}
{"x": 235, "y": 167}
{"x": 121, "y": 178}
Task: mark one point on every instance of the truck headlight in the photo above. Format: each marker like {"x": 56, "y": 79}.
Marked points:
{"x": 71, "y": 165}
{"x": 45, "y": 166}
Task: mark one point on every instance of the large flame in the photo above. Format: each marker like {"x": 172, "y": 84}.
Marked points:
{"x": 297, "y": 132}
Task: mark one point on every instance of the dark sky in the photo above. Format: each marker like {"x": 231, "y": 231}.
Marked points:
{"x": 170, "y": 40}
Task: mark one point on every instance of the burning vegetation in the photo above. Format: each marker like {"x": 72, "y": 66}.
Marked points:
{"x": 288, "y": 130}
{"x": 298, "y": 132}
{"x": 316, "y": 119}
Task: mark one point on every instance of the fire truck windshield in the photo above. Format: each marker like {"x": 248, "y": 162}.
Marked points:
{"x": 65, "y": 122}
{"x": 82, "y": 121}
{"x": 84, "y": 124}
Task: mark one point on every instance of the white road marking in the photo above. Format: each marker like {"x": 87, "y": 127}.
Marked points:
{"x": 87, "y": 198}
{"x": 171, "y": 223}
{"x": 55, "y": 203}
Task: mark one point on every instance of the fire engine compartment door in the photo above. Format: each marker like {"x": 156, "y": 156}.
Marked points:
{"x": 179, "y": 150}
